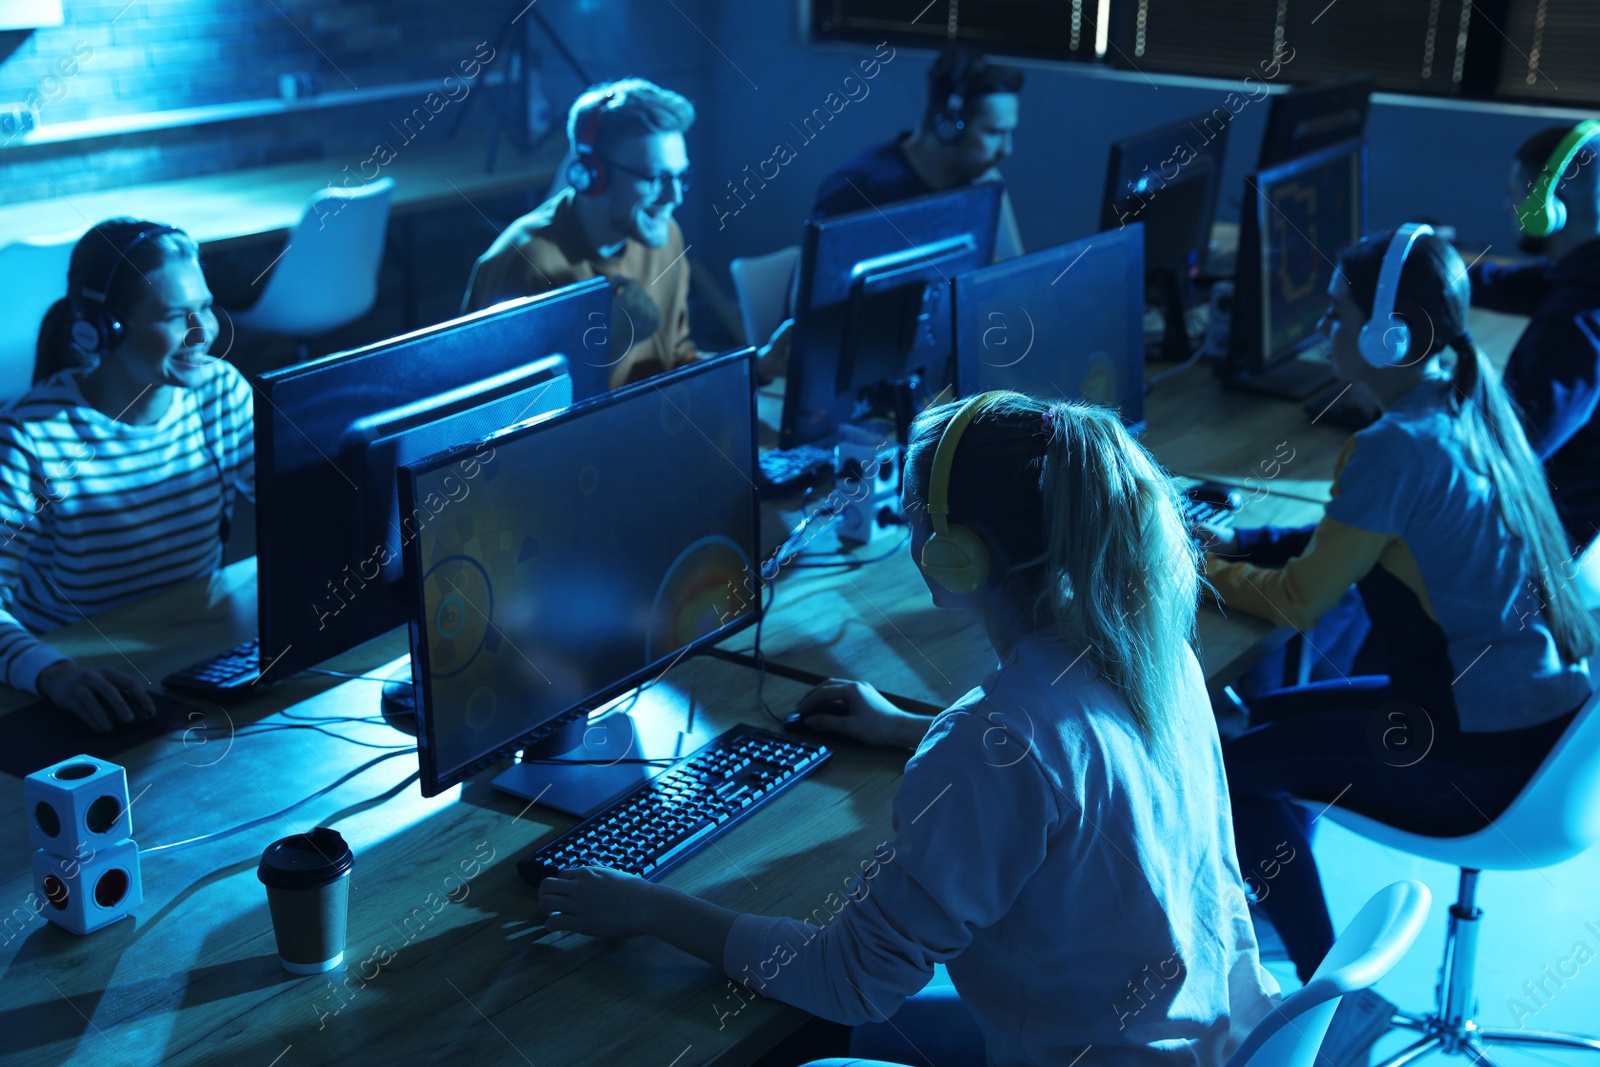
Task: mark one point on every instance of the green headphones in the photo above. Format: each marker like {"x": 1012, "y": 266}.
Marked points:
{"x": 1541, "y": 213}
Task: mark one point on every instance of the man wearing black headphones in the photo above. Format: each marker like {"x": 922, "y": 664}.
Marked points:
{"x": 1554, "y": 371}
{"x": 628, "y": 171}
{"x": 966, "y": 131}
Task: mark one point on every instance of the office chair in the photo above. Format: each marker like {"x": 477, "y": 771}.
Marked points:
{"x": 33, "y": 275}
{"x": 1376, "y": 939}
{"x": 1374, "y": 942}
{"x": 1556, "y": 817}
{"x": 762, "y": 285}
{"x": 327, "y": 276}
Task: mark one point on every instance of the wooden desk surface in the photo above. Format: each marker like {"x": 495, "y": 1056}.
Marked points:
{"x": 194, "y": 979}
{"x": 247, "y": 204}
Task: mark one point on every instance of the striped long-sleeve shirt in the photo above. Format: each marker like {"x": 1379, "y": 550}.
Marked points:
{"x": 95, "y": 513}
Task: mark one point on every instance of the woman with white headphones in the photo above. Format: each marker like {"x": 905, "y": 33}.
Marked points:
{"x": 1442, "y": 519}
{"x": 119, "y": 469}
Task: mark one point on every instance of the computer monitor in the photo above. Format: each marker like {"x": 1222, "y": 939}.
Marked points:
{"x": 329, "y": 434}
{"x": 873, "y": 302}
{"x": 594, "y": 548}
{"x": 1296, "y": 220}
{"x": 1309, "y": 118}
{"x": 1169, "y": 179}
{"x": 1066, "y": 323}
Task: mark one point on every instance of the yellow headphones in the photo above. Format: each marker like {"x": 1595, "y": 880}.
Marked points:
{"x": 954, "y": 556}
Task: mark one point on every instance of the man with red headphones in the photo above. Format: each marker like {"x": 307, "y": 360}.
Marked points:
{"x": 966, "y": 131}
{"x": 1554, "y": 371}
{"x": 628, "y": 172}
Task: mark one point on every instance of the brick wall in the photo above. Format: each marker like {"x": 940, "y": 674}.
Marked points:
{"x": 114, "y": 58}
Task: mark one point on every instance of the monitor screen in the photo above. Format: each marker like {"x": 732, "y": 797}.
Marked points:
{"x": 1066, "y": 323}
{"x": 328, "y": 436}
{"x": 1309, "y": 118}
{"x": 1168, "y": 179}
{"x": 1306, "y": 213}
{"x": 561, "y": 563}
{"x": 873, "y": 303}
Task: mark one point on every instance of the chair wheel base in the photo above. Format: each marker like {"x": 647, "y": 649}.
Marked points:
{"x": 1470, "y": 1041}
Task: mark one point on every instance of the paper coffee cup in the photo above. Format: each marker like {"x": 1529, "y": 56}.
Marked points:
{"x": 308, "y": 893}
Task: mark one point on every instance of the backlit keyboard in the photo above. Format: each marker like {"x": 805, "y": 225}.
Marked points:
{"x": 230, "y": 673}
{"x": 789, "y": 468}
{"x": 664, "y": 821}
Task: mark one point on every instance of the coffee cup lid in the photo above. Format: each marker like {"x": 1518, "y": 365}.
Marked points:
{"x": 305, "y": 861}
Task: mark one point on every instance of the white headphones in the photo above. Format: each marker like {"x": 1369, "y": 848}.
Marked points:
{"x": 1385, "y": 340}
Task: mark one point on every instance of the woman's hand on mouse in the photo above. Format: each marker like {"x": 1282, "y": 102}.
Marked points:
{"x": 100, "y": 696}
{"x": 867, "y": 716}
{"x": 597, "y": 901}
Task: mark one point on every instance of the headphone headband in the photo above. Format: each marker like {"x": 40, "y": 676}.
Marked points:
{"x": 96, "y": 329}
{"x": 944, "y": 458}
{"x": 100, "y": 296}
{"x": 1383, "y": 342}
{"x": 1539, "y": 214}
{"x": 948, "y": 124}
{"x": 587, "y": 173}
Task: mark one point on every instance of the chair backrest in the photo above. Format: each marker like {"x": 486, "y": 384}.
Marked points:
{"x": 1557, "y": 814}
{"x": 328, "y": 274}
{"x": 762, "y": 284}
{"x": 33, "y": 275}
{"x": 1376, "y": 939}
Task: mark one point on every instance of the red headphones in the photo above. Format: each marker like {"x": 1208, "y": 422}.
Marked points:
{"x": 587, "y": 171}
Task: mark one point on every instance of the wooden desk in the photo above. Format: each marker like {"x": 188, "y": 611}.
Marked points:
{"x": 247, "y": 205}
{"x": 195, "y": 978}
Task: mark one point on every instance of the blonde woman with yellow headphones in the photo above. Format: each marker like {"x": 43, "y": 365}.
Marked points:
{"x": 1062, "y": 834}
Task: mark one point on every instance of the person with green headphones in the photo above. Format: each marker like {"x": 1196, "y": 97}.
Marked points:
{"x": 1062, "y": 838}
{"x": 1554, "y": 371}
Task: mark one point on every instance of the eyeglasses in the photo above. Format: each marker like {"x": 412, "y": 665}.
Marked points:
{"x": 658, "y": 181}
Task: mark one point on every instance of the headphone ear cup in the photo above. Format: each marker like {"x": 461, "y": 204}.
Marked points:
{"x": 1557, "y": 211}
{"x": 1384, "y": 344}
{"x": 86, "y": 335}
{"x": 956, "y": 559}
{"x": 578, "y": 175}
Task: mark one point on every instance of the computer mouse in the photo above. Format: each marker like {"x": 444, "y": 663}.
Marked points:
{"x": 1223, "y": 496}
{"x": 798, "y": 721}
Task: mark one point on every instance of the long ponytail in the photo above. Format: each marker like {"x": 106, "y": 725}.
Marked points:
{"x": 1497, "y": 446}
{"x": 54, "y": 351}
{"x": 1094, "y": 523}
{"x": 1123, "y": 572}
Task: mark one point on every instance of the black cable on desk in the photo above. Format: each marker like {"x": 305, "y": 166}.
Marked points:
{"x": 853, "y": 562}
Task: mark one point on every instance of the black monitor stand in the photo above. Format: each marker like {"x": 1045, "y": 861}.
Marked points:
{"x": 1175, "y": 294}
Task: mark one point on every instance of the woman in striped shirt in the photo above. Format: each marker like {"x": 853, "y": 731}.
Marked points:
{"x": 120, "y": 467}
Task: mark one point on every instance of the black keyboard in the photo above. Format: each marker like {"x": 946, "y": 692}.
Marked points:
{"x": 654, "y": 827}
{"x": 791, "y": 468}
{"x": 230, "y": 673}
{"x": 1196, "y": 512}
